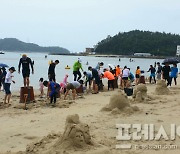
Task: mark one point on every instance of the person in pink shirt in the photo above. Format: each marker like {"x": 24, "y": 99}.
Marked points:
{"x": 64, "y": 84}
{"x": 41, "y": 87}
{"x": 107, "y": 74}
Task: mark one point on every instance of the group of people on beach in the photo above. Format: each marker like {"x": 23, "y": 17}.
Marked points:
{"x": 91, "y": 80}
{"x": 162, "y": 72}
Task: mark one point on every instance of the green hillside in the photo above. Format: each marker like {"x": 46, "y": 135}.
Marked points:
{"x": 13, "y": 44}
{"x": 127, "y": 43}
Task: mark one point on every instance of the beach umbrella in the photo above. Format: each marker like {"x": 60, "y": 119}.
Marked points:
{"x": 112, "y": 66}
{"x": 3, "y": 65}
{"x": 173, "y": 60}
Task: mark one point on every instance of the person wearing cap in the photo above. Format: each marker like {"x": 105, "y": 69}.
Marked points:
{"x": 51, "y": 71}
{"x": 76, "y": 70}
{"x": 7, "y": 84}
{"x": 25, "y": 62}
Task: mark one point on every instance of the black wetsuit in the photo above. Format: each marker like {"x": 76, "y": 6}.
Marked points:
{"x": 25, "y": 66}
{"x": 51, "y": 72}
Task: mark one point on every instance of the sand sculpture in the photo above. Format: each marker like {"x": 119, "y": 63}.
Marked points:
{"x": 119, "y": 103}
{"x": 140, "y": 93}
{"x": 76, "y": 136}
{"x": 161, "y": 88}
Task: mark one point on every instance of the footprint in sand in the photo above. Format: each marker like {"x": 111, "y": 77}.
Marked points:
{"x": 160, "y": 120}
{"x": 30, "y": 137}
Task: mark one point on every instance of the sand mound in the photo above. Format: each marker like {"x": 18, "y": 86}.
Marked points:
{"x": 118, "y": 100}
{"x": 118, "y": 104}
{"x": 140, "y": 93}
{"x": 76, "y": 136}
{"x": 43, "y": 103}
{"x": 161, "y": 88}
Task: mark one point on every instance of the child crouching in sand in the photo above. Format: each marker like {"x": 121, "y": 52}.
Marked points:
{"x": 53, "y": 90}
{"x": 41, "y": 87}
{"x": 7, "y": 84}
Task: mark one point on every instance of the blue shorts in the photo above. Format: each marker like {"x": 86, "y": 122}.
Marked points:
{"x": 152, "y": 75}
{"x": 7, "y": 88}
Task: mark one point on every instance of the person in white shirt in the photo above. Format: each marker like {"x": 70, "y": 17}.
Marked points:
{"x": 73, "y": 86}
{"x": 125, "y": 76}
{"x": 7, "y": 84}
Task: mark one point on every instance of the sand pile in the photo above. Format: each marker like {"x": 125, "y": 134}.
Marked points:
{"x": 161, "y": 88}
{"x": 119, "y": 103}
{"x": 44, "y": 103}
{"x": 75, "y": 137}
{"x": 140, "y": 93}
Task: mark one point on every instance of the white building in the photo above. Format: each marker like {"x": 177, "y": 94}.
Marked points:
{"x": 142, "y": 54}
{"x": 178, "y": 51}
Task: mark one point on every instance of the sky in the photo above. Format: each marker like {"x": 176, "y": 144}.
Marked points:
{"x": 77, "y": 24}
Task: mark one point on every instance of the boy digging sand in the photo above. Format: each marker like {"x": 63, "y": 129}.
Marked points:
{"x": 7, "y": 84}
{"x": 53, "y": 90}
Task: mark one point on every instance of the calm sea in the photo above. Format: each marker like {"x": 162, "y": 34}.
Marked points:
{"x": 41, "y": 65}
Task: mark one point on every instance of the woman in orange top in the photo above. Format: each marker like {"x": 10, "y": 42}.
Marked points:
{"x": 138, "y": 72}
{"x": 107, "y": 74}
{"x": 118, "y": 71}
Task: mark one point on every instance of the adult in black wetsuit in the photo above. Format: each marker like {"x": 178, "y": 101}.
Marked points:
{"x": 51, "y": 71}
{"x": 25, "y": 62}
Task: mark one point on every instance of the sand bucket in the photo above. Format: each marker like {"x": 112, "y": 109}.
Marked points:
{"x": 26, "y": 91}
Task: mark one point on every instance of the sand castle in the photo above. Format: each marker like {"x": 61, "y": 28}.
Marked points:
{"x": 161, "y": 88}
{"x": 119, "y": 103}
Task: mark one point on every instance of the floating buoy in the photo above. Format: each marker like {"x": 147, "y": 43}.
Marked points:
{"x": 67, "y": 67}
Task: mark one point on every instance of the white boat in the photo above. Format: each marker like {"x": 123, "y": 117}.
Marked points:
{"x": 2, "y": 52}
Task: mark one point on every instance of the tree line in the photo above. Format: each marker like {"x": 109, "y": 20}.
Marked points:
{"x": 136, "y": 41}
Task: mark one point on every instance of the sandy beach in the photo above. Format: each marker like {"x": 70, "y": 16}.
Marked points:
{"x": 41, "y": 124}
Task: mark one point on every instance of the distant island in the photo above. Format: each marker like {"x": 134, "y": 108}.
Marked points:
{"x": 128, "y": 43}
{"x": 13, "y": 44}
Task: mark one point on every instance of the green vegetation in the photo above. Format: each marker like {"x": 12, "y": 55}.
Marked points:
{"x": 128, "y": 43}
{"x": 12, "y": 44}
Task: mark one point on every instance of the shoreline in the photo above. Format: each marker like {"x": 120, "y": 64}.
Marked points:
{"x": 130, "y": 56}
{"x": 93, "y": 55}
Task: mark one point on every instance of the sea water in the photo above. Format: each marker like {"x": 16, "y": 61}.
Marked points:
{"x": 41, "y": 65}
